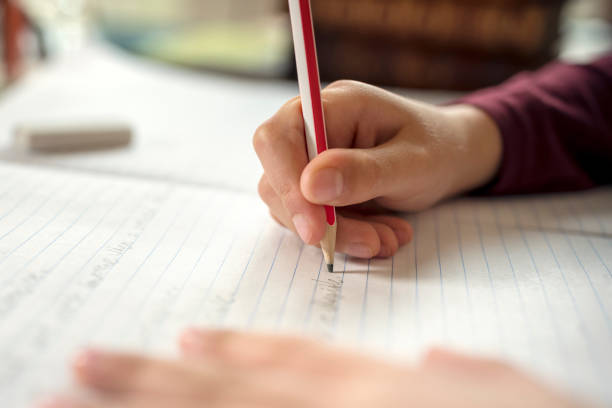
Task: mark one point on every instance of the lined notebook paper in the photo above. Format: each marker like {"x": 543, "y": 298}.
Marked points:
{"x": 126, "y": 263}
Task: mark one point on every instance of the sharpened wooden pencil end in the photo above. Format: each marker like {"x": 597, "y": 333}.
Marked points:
{"x": 328, "y": 245}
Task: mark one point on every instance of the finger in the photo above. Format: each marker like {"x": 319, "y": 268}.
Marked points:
{"x": 252, "y": 350}
{"x": 71, "y": 402}
{"x": 116, "y": 372}
{"x": 354, "y": 237}
{"x": 401, "y": 228}
{"x": 119, "y": 401}
{"x": 280, "y": 146}
{"x": 388, "y": 240}
{"x": 244, "y": 349}
{"x": 360, "y": 238}
{"x": 450, "y": 360}
{"x": 277, "y": 210}
{"x": 343, "y": 177}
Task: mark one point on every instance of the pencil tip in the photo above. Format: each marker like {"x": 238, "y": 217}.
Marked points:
{"x": 330, "y": 267}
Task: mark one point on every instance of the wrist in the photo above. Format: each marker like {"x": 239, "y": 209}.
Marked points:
{"x": 477, "y": 152}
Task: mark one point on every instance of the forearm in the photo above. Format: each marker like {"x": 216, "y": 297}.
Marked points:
{"x": 555, "y": 127}
{"x": 478, "y": 153}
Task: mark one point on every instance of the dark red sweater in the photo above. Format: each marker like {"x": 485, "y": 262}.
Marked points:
{"x": 556, "y": 126}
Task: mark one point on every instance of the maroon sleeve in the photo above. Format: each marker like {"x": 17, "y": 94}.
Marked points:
{"x": 556, "y": 126}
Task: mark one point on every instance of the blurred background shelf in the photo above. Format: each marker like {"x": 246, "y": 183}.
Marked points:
{"x": 426, "y": 44}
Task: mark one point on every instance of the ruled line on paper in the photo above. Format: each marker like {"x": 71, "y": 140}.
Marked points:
{"x": 283, "y": 308}
{"x": 113, "y": 303}
{"x": 312, "y": 296}
{"x": 27, "y": 218}
{"x": 465, "y": 274}
{"x": 337, "y": 308}
{"x": 31, "y": 283}
{"x": 5, "y": 191}
{"x": 588, "y": 238}
{"x": 501, "y": 340}
{"x": 224, "y": 314}
{"x": 581, "y": 322}
{"x": 53, "y": 241}
{"x": 189, "y": 276}
{"x": 19, "y": 202}
{"x": 416, "y": 278}
{"x": 210, "y": 287}
{"x": 364, "y": 303}
{"x": 144, "y": 302}
{"x": 48, "y": 306}
{"x": 440, "y": 273}
{"x": 562, "y": 346}
{"x": 517, "y": 287}
{"x": 588, "y": 277}
{"x": 265, "y": 283}
{"x": 390, "y": 307}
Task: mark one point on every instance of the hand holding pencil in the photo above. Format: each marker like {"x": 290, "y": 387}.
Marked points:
{"x": 387, "y": 154}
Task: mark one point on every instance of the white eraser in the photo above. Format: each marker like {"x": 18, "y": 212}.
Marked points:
{"x": 54, "y": 137}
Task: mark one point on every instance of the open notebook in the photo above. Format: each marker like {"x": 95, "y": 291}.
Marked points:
{"x": 126, "y": 263}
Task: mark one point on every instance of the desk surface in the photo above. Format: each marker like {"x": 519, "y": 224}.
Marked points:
{"x": 174, "y": 112}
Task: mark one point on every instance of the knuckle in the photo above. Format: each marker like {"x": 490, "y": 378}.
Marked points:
{"x": 374, "y": 171}
{"x": 269, "y": 133}
{"x": 347, "y": 88}
{"x": 276, "y": 219}
{"x": 292, "y": 103}
{"x": 342, "y": 84}
{"x": 285, "y": 191}
{"x": 264, "y": 137}
{"x": 265, "y": 190}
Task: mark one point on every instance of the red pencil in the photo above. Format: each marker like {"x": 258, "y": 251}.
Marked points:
{"x": 312, "y": 107}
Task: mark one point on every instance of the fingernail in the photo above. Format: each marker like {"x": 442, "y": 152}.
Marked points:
{"x": 360, "y": 251}
{"x": 56, "y": 402}
{"x": 87, "y": 362}
{"x": 403, "y": 235}
{"x": 302, "y": 226}
{"x": 327, "y": 184}
{"x": 384, "y": 252}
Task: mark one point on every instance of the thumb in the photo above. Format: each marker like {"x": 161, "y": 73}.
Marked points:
{"x": 342, "y": 177}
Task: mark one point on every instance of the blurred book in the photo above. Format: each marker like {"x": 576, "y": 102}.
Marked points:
{"x": 458, "y": 44}
{"x": 247, "y": 38}
{"x": 254, "y": 47}
{"x": 388, "y": 64}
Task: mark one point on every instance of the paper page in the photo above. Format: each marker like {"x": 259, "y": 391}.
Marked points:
{"x": 91, "y": 259}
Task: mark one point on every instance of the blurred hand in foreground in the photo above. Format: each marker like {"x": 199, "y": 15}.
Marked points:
{"x": 220, "y": 369}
